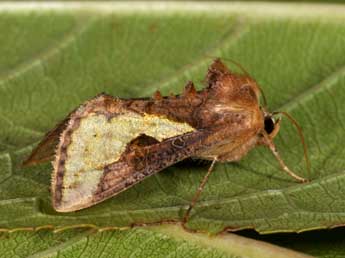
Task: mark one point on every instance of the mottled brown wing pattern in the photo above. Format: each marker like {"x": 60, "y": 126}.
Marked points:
{"x": 107, "y": 147}
{"x": 140, "y": 162}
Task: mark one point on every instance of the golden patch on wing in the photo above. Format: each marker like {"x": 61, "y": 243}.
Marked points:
{"x": 99, "y": 141}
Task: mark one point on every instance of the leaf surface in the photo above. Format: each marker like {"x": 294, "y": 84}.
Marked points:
{"x": 162, "y": 241}
{"x": 298, "y": 60}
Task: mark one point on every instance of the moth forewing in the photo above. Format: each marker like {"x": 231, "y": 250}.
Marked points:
{"x": 94, "y": 140}
{"x": 45, "y": 151}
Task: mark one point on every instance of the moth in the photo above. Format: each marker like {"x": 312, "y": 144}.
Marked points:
{"x": 109, "y": 144}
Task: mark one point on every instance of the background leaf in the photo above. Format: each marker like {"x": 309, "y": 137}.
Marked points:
{"x": 162, "y": 241}
{"x": 53, "y": 59}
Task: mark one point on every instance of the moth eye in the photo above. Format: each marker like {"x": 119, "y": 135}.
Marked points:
{"x": 269, "y": 125}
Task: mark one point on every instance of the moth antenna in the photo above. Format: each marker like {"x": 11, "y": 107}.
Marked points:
{"x": 231, "y": 61}
{"x": 263, "y": 97}
{"x": 189, "y": 89}
{"x": 238, "y": 65}
{"x": 246, "y": 74}
{"x": 299, "y": 129}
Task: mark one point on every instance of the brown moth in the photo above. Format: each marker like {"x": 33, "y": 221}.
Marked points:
{"x": 109, "y": 144}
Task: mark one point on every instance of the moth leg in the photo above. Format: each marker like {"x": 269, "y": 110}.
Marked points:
{"x": 198, "y": 193}
{"x": 269, "y": 143}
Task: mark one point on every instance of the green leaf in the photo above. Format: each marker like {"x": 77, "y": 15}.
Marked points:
{"x": 162, "y": 241}
{"x": 52, "y": 60}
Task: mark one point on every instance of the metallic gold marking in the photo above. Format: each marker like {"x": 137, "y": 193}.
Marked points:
{"x": 98, "y": 142}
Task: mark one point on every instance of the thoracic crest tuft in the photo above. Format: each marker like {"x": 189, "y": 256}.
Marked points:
{"x": 189, "y": 90}
{"x": 215, "y": 72}
{"x": 157, "y": 95}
